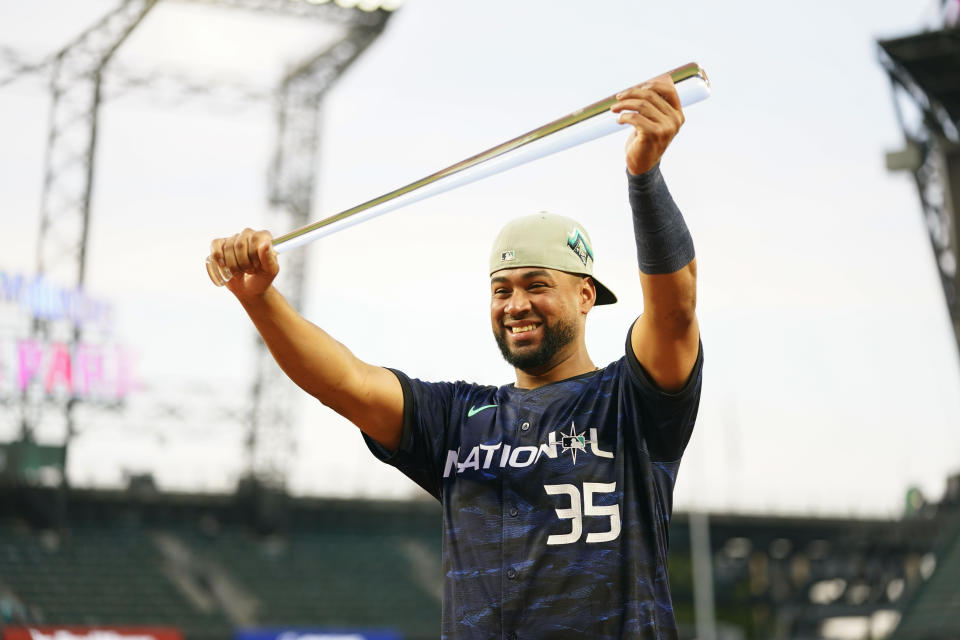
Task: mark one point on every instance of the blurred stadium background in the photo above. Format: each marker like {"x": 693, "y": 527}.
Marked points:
{"x": 258, "y": 562}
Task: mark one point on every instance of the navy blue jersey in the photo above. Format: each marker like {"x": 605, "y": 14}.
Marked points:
{"x": 556, "y": 500}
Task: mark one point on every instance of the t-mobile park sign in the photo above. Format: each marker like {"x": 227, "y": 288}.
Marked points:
{"x": 98, "y": 370}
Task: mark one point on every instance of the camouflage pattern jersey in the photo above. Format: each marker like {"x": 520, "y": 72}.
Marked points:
{"x": 556, "y": 501}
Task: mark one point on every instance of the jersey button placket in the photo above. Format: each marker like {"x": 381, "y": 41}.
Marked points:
{"x": 513, "y": 504}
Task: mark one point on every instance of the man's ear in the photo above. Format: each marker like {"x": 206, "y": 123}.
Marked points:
{"x": 588, "y": 294}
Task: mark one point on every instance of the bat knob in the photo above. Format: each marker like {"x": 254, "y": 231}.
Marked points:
{"x": 218, "y": 275}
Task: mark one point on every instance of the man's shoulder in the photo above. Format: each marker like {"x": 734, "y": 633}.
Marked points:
{"x": 475, "y": 396}
{"x": 456, "y": 390}
{"x": 613, "y": 371}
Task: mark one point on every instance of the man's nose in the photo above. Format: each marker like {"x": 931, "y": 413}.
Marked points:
{"x": 518, "y": 304}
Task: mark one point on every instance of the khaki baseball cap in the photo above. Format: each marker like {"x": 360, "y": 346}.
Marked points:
{"x": 549, "y": 241}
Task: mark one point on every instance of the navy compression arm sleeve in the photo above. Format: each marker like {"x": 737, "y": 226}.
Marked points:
{"x": 664, "y": 244}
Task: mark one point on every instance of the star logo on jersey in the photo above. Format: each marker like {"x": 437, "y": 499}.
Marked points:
{"x": 573, "y": 442}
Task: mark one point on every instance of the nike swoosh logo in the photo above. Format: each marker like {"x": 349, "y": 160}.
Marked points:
{"x": 475, "y": 410}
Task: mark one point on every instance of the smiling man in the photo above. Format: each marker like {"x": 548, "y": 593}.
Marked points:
{"x": 556, "y": 489}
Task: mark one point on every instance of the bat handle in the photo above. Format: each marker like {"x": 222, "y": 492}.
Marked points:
{"x": 218, "y": 275}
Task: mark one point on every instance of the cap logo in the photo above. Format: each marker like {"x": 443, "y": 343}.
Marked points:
{"x": 579, "y": 246}
{"x": 507, "y": 256}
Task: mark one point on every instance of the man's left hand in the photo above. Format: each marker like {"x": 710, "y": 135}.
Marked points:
{"x": 654, "y": 110}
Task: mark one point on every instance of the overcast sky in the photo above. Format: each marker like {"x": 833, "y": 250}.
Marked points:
{"x": 831, "y": 380}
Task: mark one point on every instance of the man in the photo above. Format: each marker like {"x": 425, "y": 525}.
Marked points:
{"x": 556, "y": 490}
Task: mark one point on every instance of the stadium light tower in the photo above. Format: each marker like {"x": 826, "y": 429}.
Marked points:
{"x": 924, "y": 72}
{"x": 79, "y": 85}
{"x": 291, "y": 185}
{"x": 75, "y": 85}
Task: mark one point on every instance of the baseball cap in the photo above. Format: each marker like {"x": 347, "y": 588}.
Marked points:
{"x": 549, "y": 241}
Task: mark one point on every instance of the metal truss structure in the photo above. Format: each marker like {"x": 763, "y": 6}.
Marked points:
{"x": 79, "y": 84}
{"x": 362, "y": 14}
{"x": 291, "y": 185}
{"x": 923, "y": 71}
{"x": 13, "y": 66}
{"x": 75, "y": 83}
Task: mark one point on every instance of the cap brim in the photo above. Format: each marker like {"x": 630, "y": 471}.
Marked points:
{"x": 604, "y": 295}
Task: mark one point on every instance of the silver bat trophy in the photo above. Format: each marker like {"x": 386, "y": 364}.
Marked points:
{"x": 589, "y": 123}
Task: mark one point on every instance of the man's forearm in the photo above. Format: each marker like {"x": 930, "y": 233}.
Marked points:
{"x": 663, "y": 241}
{"x": 666, "y": 337}
{"x": 367, "y": 395}
{"x": 665, "y": 252}
{"x": 316, "y": 362}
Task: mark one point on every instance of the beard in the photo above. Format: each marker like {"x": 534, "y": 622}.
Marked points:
{"x": 554, "y": 339}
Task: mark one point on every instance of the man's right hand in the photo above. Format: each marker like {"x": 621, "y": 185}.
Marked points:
{"x": 251, "y": 259}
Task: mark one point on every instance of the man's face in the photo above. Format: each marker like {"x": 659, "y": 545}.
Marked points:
{"x": 535, "y": 314}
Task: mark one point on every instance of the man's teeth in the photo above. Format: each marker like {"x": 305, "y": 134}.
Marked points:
{"x": 523, "y": 329}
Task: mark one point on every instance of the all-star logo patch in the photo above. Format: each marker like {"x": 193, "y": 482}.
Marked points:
{"x": 579, "y": 246}
{"x": 507, "y": 256}
{"x": 574, "y": 442}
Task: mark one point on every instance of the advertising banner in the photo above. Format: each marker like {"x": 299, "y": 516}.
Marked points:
{"x": 90, "y": 633}
{"x": 314, "y": 634}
